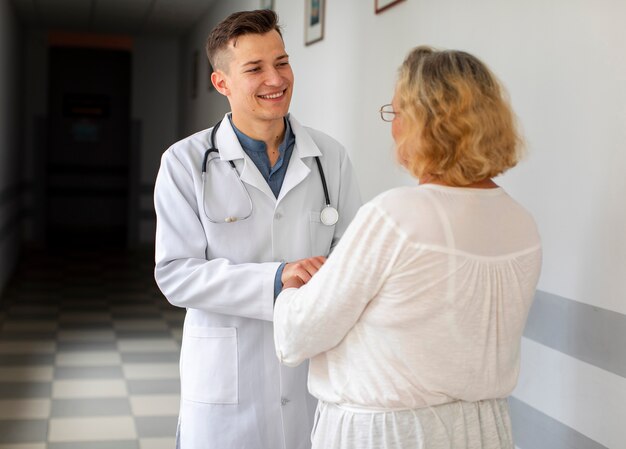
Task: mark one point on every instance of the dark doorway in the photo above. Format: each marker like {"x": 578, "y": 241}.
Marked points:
{"x": 88, "y": 156}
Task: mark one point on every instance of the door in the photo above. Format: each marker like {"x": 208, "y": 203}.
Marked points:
{"x": 88, "y": 148}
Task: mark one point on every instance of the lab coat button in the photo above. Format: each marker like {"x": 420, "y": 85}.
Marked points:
{"x": 283, "y": 401}
{"x": 278, "y": 216}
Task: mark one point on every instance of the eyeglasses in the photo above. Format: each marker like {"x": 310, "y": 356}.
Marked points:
{"x": 387, "y": 113}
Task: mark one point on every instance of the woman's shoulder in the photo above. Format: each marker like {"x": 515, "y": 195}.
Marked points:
{"x": 406, "y": 207}
{"x": 400, "y": 198}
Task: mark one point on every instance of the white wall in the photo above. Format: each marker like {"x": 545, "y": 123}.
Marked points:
{"x": 564, "y": 64}
{"x": 10, "y": 144}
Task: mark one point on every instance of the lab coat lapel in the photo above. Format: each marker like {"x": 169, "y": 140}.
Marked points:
{"x": 230, "y": 150}
{"x": 298, "y": 168}
{"x": 297, "y": 171}
{"x": 252, "y": 176}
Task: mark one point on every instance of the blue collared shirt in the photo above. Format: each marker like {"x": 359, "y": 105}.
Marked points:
{"x": 257, "y": 151}
{"x": 274, "y": 176}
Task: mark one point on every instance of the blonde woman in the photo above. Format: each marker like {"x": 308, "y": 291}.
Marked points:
{"x": 413, "y": 325}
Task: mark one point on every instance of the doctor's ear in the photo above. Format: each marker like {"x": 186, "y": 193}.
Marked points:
{"x": 218, "y": 79}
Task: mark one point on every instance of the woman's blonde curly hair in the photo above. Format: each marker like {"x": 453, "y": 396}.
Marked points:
{"x": 457, "y": 126}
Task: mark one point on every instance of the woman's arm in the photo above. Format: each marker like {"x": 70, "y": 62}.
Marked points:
{"x": 316, "y": 317}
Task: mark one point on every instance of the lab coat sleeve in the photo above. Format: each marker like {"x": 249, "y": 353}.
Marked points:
{"x": 316, "y": 317}
{"x": 349, "y": 198}
{"x": 184, "y": 275}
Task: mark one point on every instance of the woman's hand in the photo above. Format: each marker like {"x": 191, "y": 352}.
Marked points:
{"x": 293, "y": 282}
{"x": 303, "y": 269}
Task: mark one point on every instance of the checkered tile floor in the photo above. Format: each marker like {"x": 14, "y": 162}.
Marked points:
{"x": 88, "y": 354}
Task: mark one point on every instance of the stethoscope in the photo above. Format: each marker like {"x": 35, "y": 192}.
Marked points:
{"x": 328, "y": 216}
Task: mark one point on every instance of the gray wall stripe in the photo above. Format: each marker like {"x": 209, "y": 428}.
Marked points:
{"x": 533, "y": 429}
{"x": 588, "y": 333}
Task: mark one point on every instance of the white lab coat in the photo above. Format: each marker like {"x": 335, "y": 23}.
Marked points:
{"x": 234, "y": 392}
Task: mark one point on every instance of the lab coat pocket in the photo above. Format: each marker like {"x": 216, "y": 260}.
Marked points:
{"x": 321, "y": 235}
{"x": 209, "y": 368}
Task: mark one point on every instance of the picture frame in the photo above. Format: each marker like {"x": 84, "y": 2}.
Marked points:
{"x": 194, "y": 74}
{"x": 314, "y": 13}
{"x": 383, "y": 5}
{"x": 267, "y": 4}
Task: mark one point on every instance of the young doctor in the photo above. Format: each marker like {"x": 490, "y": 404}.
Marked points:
{"x": 233, "y": 203}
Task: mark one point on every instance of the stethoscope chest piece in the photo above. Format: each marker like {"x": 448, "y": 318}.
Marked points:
{"x": 329, "y": 216}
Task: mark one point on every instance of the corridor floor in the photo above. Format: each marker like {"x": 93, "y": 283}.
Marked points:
{"x": 88, "y": 354}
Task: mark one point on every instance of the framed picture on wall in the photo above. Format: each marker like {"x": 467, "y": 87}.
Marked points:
{"x": 267, "y": 4}
{"x": 314, "y": 21}
{"x": 382, "y": 5}
{"x": 194, "y": 74}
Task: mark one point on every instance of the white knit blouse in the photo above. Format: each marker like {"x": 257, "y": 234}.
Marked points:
{"x": 423, "y": 301}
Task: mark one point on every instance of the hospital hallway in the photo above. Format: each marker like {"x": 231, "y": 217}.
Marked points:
{"x": 93, "y": 93}
{"x": 88, "y": 353}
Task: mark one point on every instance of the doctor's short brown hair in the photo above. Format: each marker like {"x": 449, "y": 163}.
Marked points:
{"x": 238, "y": 24}
{"x": 457, "y": 125}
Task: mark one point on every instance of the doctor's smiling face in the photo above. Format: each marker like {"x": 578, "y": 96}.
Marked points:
{"x": 257, "y": 79}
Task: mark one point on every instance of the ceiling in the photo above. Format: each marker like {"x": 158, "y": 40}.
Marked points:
{"x": 133, "y": 17}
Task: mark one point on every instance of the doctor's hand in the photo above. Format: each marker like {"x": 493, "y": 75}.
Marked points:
{"x": 302, "y": 270}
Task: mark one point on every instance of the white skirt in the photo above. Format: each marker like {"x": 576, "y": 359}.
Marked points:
{"x": 456, "y": 425}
